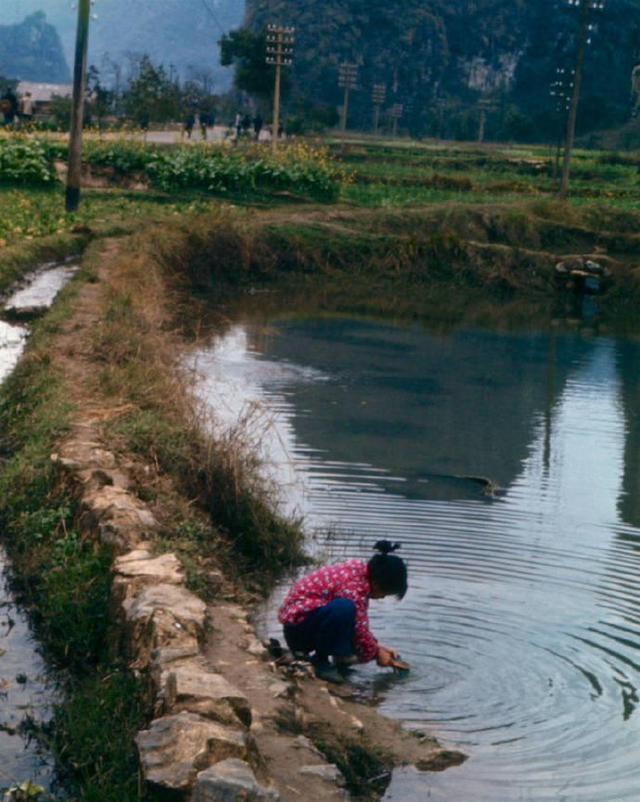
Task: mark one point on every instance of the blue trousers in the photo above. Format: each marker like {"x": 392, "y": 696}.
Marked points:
{"x": 328, "y": 630}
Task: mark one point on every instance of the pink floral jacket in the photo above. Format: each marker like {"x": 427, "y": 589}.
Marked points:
{"x": 348, "y": 580}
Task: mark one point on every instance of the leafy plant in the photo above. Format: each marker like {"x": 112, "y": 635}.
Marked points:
{"x": 24, "y": 161}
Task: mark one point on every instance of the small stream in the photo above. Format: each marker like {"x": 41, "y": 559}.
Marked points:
{"x": 26, "y": 693}
{"x": 522, "y": 622}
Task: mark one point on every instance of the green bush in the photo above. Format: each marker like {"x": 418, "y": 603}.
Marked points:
{"x": 24, "y": 161}
{"x": 190, "y": 167}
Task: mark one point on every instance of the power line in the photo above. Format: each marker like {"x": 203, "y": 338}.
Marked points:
{"x": 213, "y": 15}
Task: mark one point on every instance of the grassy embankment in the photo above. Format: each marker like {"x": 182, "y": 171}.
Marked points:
{"x": 181, "y": 243}
{"x": 212, "y": 508}
{"x": 62, "y": 578}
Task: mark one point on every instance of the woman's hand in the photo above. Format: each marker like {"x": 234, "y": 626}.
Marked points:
{"x": 386, "y": 655}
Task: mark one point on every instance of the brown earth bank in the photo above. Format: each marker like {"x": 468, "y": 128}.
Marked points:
{"x": 225, "y": 717}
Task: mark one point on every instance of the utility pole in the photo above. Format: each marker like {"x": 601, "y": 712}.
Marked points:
{"x": 279, "y": 54}
{"x": 586, "y": 6}
{"x": 397, "y": 110}
{"x": 347, "y": 80}
{"x": 560, "y": 90}
{"x": 74, "y": 169}
{"x": 379, "y": 96}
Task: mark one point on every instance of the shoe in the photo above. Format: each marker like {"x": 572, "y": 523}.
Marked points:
{"x": 328, "y": 672}
{"x": 344, "y": 665}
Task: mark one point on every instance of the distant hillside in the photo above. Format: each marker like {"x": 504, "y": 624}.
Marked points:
{"x": 31, "y": 50}
{"x": 439, "y": 57}
{"x": 178, "y": 32}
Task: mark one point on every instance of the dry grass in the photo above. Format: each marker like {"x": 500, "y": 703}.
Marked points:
{"x": 138, "y": 347}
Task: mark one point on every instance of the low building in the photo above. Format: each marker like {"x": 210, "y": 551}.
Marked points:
{"x": 42, "y": 94}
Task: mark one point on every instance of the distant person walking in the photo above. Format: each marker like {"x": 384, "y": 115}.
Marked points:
{"x": 238, "y": 125}
{"x": 9, "y": 106}
{"x": 207, "y": 120}
{"x": 189, "y": 123}
{"x": 246, "y": 124}
{"x": 25, "y": 110}
{"x": 257, "y": 126}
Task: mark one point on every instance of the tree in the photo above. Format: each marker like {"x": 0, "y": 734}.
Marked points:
{"x": 99, "y": 98}
{"x": 151, "y": 95}
{"x": 7, "y": 83}
{"x": 247, "y": 50}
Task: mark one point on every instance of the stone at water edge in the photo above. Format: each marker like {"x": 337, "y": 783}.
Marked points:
{"x": 231, "y": 781}
{"x": 191, "y": 685}
{"x": 326, "y": 771}
{"x": 175, "y": 748}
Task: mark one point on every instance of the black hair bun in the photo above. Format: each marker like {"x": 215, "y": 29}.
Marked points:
{"x": 386, "y": 547}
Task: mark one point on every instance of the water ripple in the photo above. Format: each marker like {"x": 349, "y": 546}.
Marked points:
{"x": 522, "y": 623}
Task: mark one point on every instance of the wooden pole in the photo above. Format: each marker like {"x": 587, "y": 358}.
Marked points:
{"x": 575, "y": 97}
{"x": 483, "y": 120}
{"x": 74, "y": 171}
{"x": 345, "y": 109}
{"x": 376, "y": 119}
{"x": 276, "y": 107}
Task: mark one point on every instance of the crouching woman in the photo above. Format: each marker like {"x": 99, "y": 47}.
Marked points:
{"x": 325, "y": 615}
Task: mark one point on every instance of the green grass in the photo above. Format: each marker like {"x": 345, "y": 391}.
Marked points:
{"x": 395, "y": 173}
{"x": 63, "y": 579}
{"x": 210, "y": 169}
{"x": 27, "y": 213}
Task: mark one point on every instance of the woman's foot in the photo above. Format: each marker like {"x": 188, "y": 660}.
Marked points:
{"x": 344, "y": 665}
{"x": 326, "y": 671}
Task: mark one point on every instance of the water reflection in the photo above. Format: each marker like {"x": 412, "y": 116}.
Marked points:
{"x": 24, "y": 693}
{"x": 522, "y": 621}
{"x": 24, "y": 697}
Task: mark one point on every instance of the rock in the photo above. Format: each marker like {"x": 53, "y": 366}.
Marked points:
{"x": 175, "y": 748}
{"x": 169, "y": 654}
{"x": 280, "y": 690}
{"x": 231, "y": 781}
{"x": 215, "y": 581}
{"x": 23, "y": 314}
{"x": 69, "y": 464}
{"x": 356, "y": 724}
{"x": 139, "y": 568}
{"x": 160, "y": 616}
{"x": 119, "y": 517}
{"x": 302, "y": 742}
{"x": 191, "y": 685}
{"x": 101, "y": 477}
{"x": 326, "y": 771}
{"x": 593, "y": 267}
{"x": 440, "y": 759}
{"x": 256, "y": 648}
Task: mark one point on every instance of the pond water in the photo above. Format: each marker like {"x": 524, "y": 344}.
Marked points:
{"x": 522, "y": 623}
{"x": 25, "y": 690}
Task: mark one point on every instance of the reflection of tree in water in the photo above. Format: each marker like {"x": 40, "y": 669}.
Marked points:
{"x": 629, "y": 370}
{"x": 419, "y": 405}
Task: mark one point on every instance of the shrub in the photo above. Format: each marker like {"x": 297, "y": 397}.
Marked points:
{"x": 24, "y": 161}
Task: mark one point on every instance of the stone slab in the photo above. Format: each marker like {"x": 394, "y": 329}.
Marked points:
{"x": 176, "y": 748}
{"x": 231, "y": 780}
